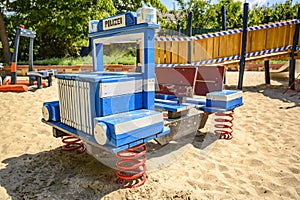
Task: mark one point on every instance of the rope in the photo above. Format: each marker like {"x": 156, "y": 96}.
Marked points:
{"x": 229, "y": 32}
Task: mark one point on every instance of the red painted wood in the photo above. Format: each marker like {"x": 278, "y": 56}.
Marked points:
{"x": 178, "y": 81}
{"x": 209, "y": 79}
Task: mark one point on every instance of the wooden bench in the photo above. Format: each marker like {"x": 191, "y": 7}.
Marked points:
{"x": 39, "y": 75}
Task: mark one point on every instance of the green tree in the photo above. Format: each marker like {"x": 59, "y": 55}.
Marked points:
{"x": 132, "y": 5}
{"x": 199, "y": 9}
{"x": 3, "y": 34}
{"x": 61, "y": 25}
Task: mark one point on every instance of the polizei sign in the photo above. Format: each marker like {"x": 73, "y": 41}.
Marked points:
{"x": 114, "y": 22}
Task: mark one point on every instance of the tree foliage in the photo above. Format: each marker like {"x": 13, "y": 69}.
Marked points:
{"x": 3, "y": 34}
{"x": 61, "y": 27}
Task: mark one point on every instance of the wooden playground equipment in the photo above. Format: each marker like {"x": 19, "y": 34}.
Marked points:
{"x": 232, "y": 48}
{"x": 34, "y": 78}
{"x": 171, "y": 96}
{"x": 119, "y": 112}
{"x": 225, "y": 47}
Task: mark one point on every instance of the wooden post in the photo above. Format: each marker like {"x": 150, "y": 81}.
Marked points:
{"x": 176, "y": 56}
{"x": 244, "y": 46}
{"x": 13, "y": 70}
{"x": 30, "y": 68}
{"x": 224, "y": 28}
{"x": 178, "y": 27}
{"x": 190, "y": 33}
{"x": 293, "y": 61}
{"x": 267, "y": 62}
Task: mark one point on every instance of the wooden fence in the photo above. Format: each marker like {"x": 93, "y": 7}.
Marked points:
{"x": 267, "y": 40}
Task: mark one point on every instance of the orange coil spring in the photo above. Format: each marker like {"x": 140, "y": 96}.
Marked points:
{"x": 224, "y": 124}
{"x": 132, "y": 167}
{"x": 73, "y": 143}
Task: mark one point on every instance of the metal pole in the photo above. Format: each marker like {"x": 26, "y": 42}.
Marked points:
{"x": 224, "y": 28}
{"x": 244, "y": 46}
{"x": 13, "y": 68}
{"x": 267, "y": 62}
{"x": 31, "y": 55}
{"x": 178, "y": 27}
{"x": 190, "y": 33}
{"x": 137, "y": 48}
{"x": 293, "y": 61}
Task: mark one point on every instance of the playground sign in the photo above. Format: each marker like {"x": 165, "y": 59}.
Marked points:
{"x": 114, "y": 22}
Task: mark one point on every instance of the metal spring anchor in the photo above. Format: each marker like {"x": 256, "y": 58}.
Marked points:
{"x": 132, "y": 167}
{"x": 72, "y": 143}
{"x": 224, "y": 124}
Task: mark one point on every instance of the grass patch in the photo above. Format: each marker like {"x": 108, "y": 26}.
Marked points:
{"x": 87, "y": 60}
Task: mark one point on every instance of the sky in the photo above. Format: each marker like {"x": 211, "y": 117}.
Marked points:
{"x": 169, "y": 3}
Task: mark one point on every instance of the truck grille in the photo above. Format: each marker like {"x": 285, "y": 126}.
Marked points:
{"x": 75, "y": 104}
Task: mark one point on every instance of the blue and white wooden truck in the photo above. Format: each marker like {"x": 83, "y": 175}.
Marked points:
{"x": 117, "y": 112}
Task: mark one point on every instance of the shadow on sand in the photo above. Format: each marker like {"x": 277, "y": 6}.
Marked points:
{"x": 56, "y": 174}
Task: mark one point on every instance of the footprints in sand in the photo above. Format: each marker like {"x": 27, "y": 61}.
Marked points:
{"x": 294, "y": 170}
{"x": 253, "y": 162}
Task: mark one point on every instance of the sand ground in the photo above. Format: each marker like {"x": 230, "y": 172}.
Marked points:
{"x": 262, "y": 161}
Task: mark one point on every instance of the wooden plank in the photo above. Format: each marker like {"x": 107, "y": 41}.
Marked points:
{"x": 209, "y": 47}
{"x": 161, "y": 52}
{"x": 249, "y": 38}
{"x": 178, "y": 81}
{"x": 286, "y": 35}
{"x": 168, "y": 52}
{"x": 193, "y": 51}
{"x": 216, "y": 47}
{"x": 278, "y": 41}
{"x": 258, "y": 40}
{"x": 270, "y": 38}
{"x": 156, "y": 52}
{"x": 174, "y": 51}
{"x": 223, "y": 46}
{"x": 141, "y": 55}
{"x": 183, "y": 52}
{"x": 292, "y": 32}
{"x": 209, "y": 79}
{"x": 234, "y": 44}
{"x": 200, "y": 50}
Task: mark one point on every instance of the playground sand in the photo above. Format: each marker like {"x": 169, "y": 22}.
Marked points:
{"x": 262, "y": 161}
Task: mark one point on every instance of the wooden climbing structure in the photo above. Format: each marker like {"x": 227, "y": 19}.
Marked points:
{"x": 265, "y": 42}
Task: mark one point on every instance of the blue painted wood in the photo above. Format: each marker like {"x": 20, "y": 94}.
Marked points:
{"x": 109, "y": 147}
{"x": 53, "y": 110}
{"x": 137, "y": 133}
{"x": 132, "y": 125}
{"x": 118, "y": 104}
{"x": 214, "y": 109}
{"x": 139, "y": 28}
{"x": 148, "y": 100}
{"x": 244, "y": 46}
{"x": 294, "y": 48}
{"x": 223, "y": 11}
{"x": 27, "y": 33}
{"x": 228, "y": 105}
{"x": 196, "y": 101}
{"x": 172, "y": 107}
{"x": 99, "y": 54}
{"x": 15, "y": 57}
{"x": 164, "y": 96}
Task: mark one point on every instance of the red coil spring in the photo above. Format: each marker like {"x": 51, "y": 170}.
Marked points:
{"x": 73, "y": 143}
{"x": 226, "y": 123}
{"x": 132, "y": 167}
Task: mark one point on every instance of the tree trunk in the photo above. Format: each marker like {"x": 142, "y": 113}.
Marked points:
{"x": 4, "y": 40}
